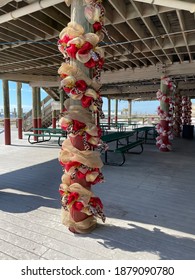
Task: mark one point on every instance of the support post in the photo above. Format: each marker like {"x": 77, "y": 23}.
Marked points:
{"x": 164, "y": 106}
{"x": 82, "y": 164}
{"x": 109, "y": 112}
{"x": 19, "y": 109}
{"x": 39, "y": 114}
{"x": 61, "y": 101}
{"x": 34, "y": 111}
{"x": 177, "y": 115}
{"x": 163, "y": 128}
{"x": 54, "y": 118}
{"x": 116, "y": 111}
{"x": 77, "y": 15}
{"x": 6, "y": 112}
{"x": 129, "y": 109}
{"x": 97, "y": 119}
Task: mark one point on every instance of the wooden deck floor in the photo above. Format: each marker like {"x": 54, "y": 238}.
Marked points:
{"x": 149, "y": 204}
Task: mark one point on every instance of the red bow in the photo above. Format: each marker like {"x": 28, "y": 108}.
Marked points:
{"x": 85, "y": 48}
{"x": 97, "y": 26}
{"x": 64, "y": 40}
{"x": 72, "y": 50}
{"x": 78, "y": 125}
{"x": 86, "y": 101}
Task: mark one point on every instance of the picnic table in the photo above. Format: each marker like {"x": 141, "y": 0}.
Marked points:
{"x": 117, "y": 137}
{"x": 144, "y": 133}
{"x": 133, "y": 124}
{"x": 45, "y": 134}
{"x": 118, "y": 126}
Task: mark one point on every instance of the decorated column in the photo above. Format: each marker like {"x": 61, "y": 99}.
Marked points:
{"x": 19, "y": 110}
{"x": 6, "y": 109}
{"x": 80, "y": 80}
{"x": 186, "y": 110}
{"x": 164, "y": 128}
{"x": 177, "y": 115}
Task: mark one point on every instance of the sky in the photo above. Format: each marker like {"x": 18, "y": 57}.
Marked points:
{"x": 26, "y": 96}
{"x": 138, "y": 107}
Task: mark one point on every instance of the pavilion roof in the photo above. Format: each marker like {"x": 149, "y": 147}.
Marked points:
{"x": 148, "y": 40}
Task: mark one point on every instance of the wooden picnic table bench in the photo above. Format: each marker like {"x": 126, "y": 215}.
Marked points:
{"x": 145, "y": 132}
{"x": 116, "y": 137}
{"x": 45, "y": 134}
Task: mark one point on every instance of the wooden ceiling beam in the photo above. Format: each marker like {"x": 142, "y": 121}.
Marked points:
{"x": 28, "y": 78}
{"x": 166, "y": 25}
{"x": 183, "y": 28}
{"x": 119, "y": 6}
{"x": 147, "y": 73}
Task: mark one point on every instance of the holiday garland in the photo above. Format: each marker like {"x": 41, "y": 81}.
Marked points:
{"x": 177, "y": 115}
{"x": 186, "y": 110}
{"x": 82, "y": 165}
{"x": 165, "y": 112}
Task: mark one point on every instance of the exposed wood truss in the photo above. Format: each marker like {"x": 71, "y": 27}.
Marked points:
{"x": 147, "y": 41}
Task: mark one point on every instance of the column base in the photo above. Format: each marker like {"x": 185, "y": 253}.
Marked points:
{"x": 35, "y": 122}
{"x": 54, "y": 122}
{"x": 20, "y": 136}
{"x": 7, "y": 131}
{"x": 39, "y": 123}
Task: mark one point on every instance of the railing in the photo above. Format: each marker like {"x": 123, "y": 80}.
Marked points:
{"x": 46, "y": 114}
{"x": 139, "y": 119}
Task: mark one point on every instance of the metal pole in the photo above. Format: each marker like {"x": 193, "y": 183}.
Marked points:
{"x": 6, "y": 113}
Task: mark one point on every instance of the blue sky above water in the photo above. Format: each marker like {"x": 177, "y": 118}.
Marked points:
{"x": 138, "y": 107}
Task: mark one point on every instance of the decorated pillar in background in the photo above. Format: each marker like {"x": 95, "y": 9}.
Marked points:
{"x": 80, "y": 80}
{"x": 6, "y": 109}
{"x": 190, "y": 111}
{"x": 177, "y": 115}
{"x": 186, "y": 110}
{"x": 164, "y": 128}
{"x": 19, "y": 109}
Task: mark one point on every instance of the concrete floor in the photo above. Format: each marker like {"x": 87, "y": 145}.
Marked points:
{"x": 149, "y": 204}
